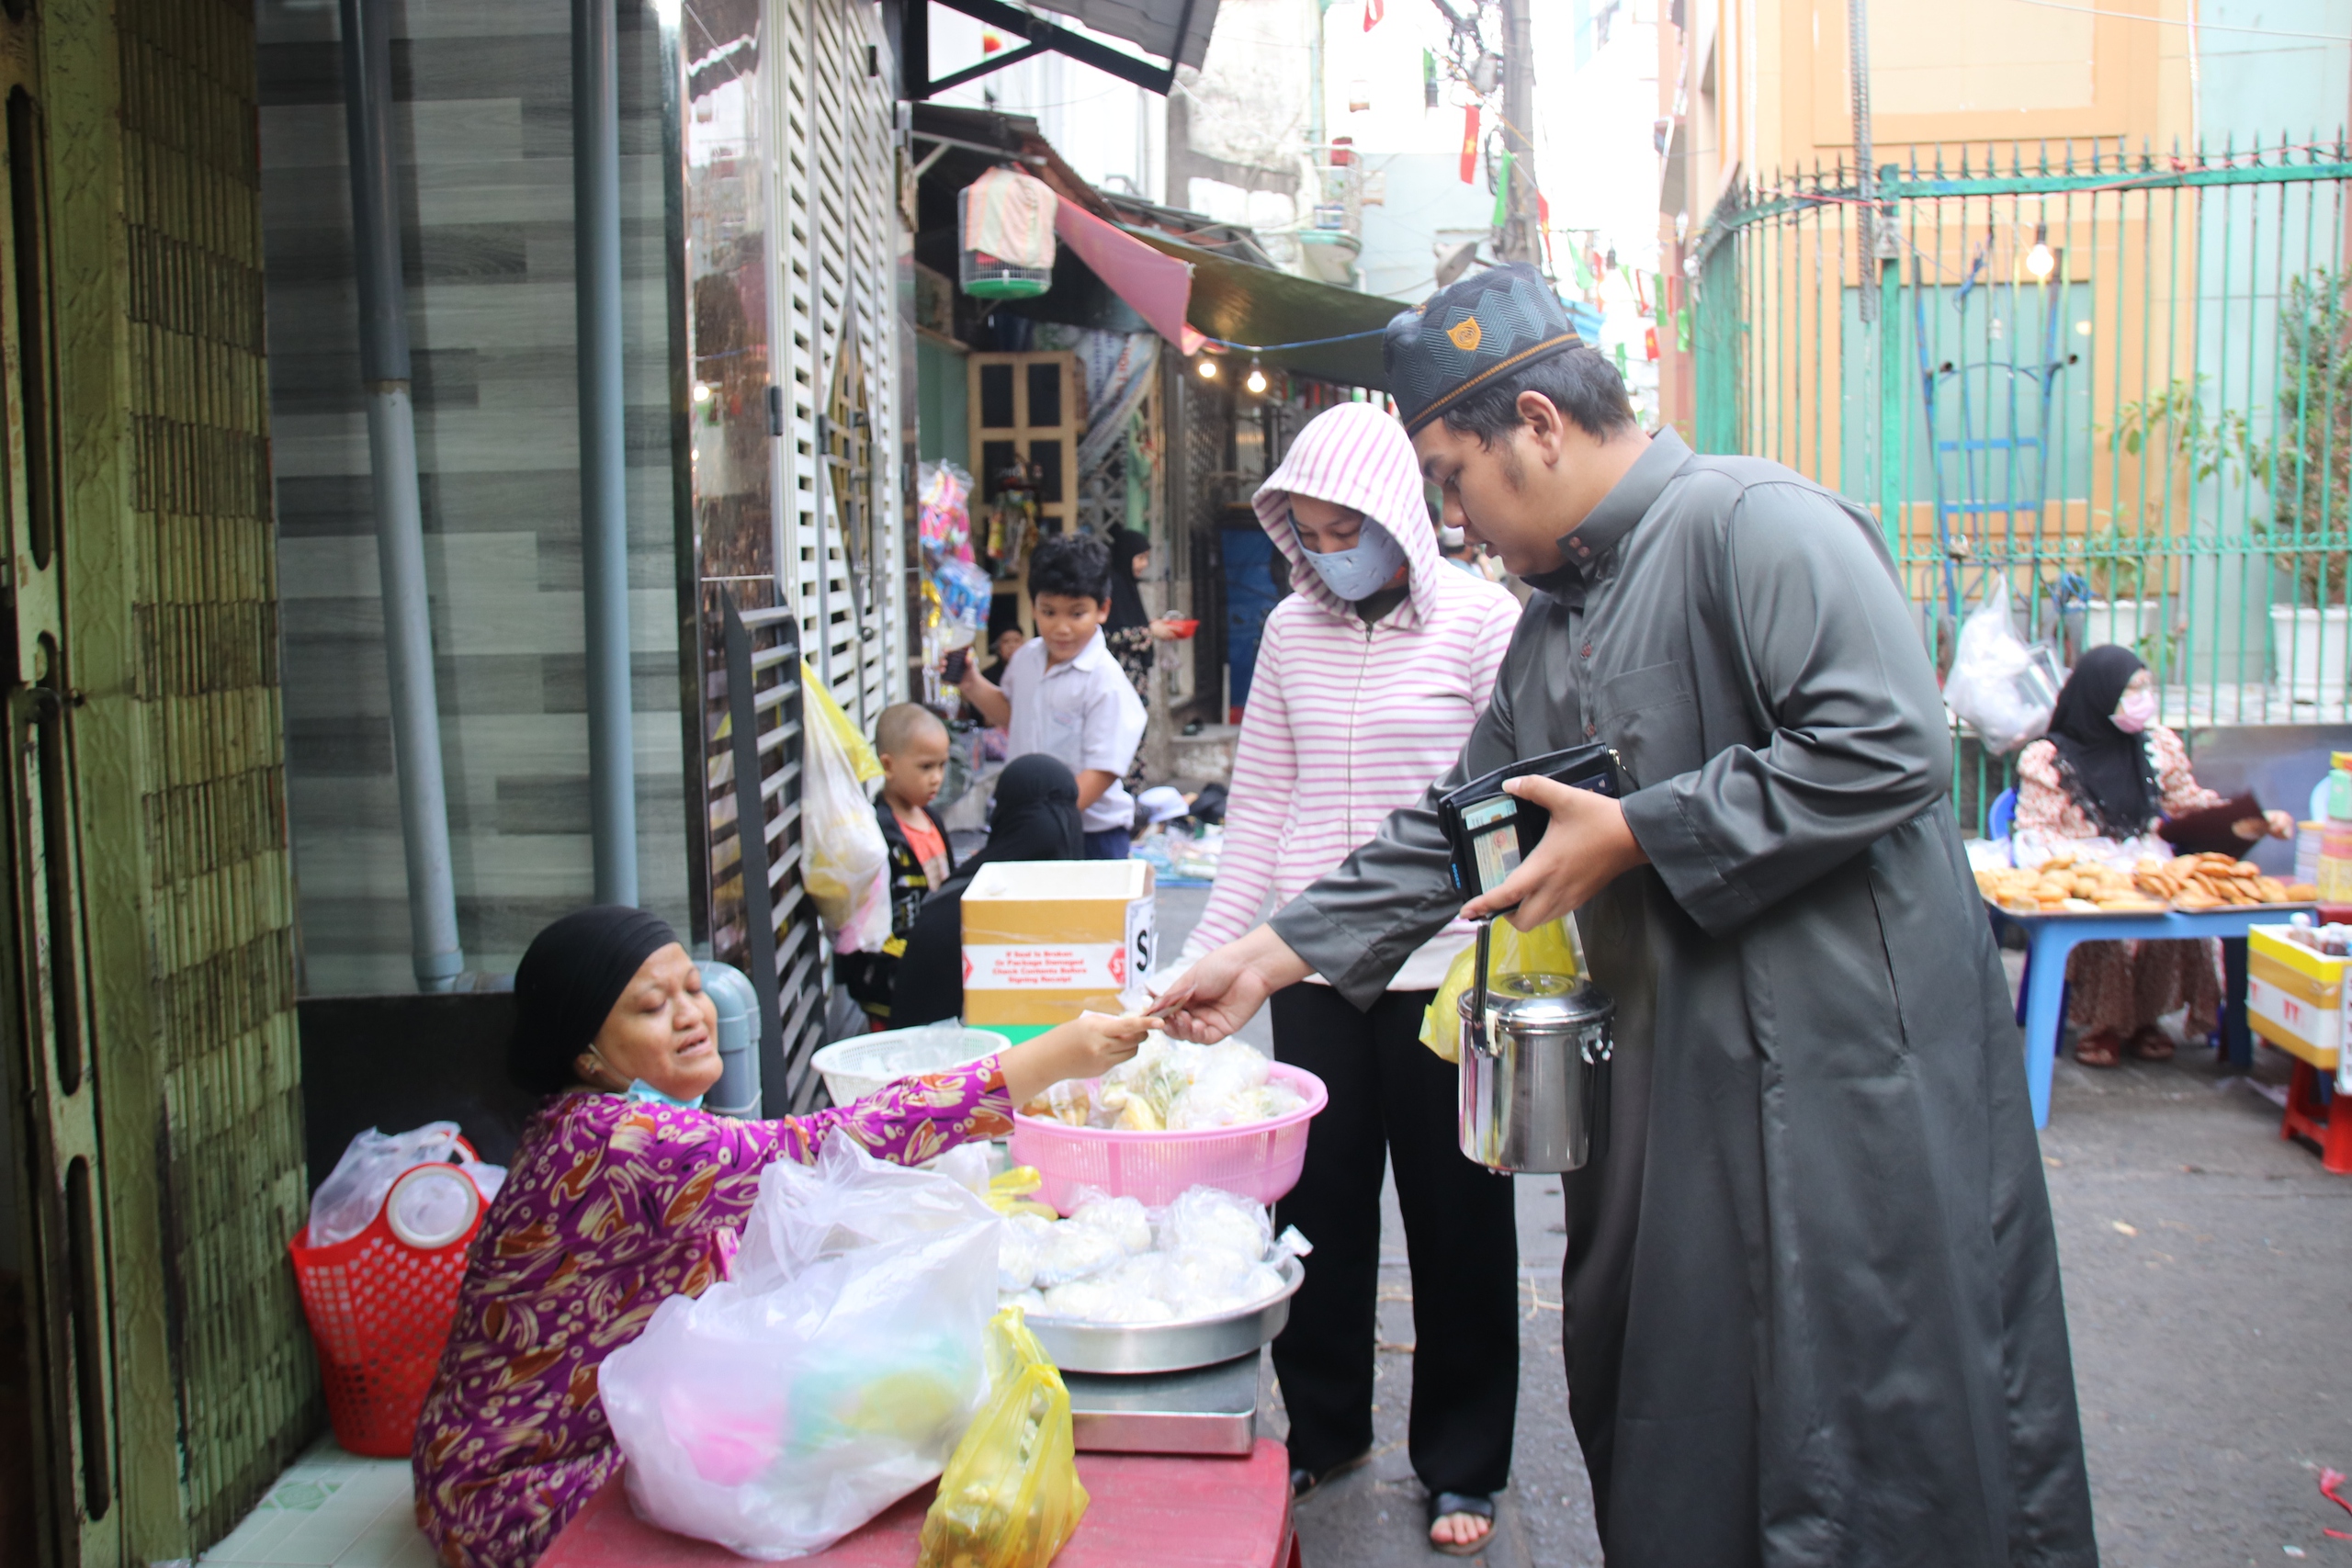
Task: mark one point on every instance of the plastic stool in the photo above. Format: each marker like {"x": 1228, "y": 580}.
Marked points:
{"x": 2310, "y": 1113}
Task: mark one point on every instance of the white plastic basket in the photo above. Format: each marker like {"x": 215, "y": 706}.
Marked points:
{"x": 857, "y": 1068}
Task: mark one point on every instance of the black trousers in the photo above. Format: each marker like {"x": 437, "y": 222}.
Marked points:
{"x": 1391, "y": 1095}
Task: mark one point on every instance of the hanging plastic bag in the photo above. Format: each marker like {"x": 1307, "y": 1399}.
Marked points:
{"x": 349, "y": 1199}
{"x": 1011, "y": 1497}
{"x": 943, "y": 518}
{"x": 844, "y": 861}
{"x": 831, "y": 1376}
{"x": 964, "y": 595}
{"x": 1998, "y": 686}
{"x": 1550, "y": 949}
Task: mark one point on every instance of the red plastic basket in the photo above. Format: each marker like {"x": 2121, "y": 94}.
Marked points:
{"x": 379, "y": 1311}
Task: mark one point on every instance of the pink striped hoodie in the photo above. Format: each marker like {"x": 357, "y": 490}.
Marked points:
{"x": 1345, "y": 723}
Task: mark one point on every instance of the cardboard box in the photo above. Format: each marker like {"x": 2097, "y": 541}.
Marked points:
{"x": 2294, "y": 996}
{"x": 1045, "y": 941}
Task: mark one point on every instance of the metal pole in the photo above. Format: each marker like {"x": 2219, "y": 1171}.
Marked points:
{"x": 604, "y": 473}
{"x": 821, "y": 393}
{"x": 400, "y": 520}
{"x": 1522, "y": 239}
{"x": 1858, "y": 71}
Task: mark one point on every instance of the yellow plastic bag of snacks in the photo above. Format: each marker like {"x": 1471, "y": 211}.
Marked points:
{"x": 1009, "y": 1496}
{"x": 1550, "y": 949}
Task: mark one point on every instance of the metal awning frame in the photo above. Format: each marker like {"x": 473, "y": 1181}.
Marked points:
{"x": 913, "y": 34}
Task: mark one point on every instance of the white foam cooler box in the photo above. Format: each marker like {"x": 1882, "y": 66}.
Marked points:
{"x": 1045, "y": 941}
{"x": 2294, "y": 998}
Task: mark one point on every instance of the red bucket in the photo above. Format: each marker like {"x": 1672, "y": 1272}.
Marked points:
{"x": 381, "y": 1308}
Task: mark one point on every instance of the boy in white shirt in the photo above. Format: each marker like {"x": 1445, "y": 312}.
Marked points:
{"x": 1064, "y": 694}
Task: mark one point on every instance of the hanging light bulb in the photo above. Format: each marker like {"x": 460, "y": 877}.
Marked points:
{"x": 1255, "y": 380}
{"x": 2039, "y": 261}
{"x": 702, "y": 391}
{"x": 1207, "y": 368}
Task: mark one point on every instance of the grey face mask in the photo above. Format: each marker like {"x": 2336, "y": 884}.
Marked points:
{"x": 1362, "y": 572}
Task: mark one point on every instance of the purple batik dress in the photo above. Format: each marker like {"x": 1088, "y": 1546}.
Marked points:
{"x": 612, "y": 1206}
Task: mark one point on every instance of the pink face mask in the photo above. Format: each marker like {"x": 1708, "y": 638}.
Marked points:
{"x": 2135, "y": 712}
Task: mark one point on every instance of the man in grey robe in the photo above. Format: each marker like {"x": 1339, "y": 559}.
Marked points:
{"x": 1812, "y": 1310}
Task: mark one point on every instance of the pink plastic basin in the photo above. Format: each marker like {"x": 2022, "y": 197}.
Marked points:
{"x": 1260, "y": 1160}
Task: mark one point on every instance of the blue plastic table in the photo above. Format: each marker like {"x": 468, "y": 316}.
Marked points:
{"x": 2050, "y": 937}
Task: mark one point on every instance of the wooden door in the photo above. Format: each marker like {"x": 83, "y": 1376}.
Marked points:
{"x": 66, "y": 1488}
{"x": 1027, "y": 411}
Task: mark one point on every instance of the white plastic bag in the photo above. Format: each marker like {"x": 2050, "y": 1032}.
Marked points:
{"x": 830, "y": 1377}
{"x": 349, "y": 1199}
{"x": 1998, "y": 686}
{"x": 846, "y": 865}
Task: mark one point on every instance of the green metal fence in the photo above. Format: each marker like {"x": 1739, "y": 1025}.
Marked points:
{"x": 2115, "y": 381}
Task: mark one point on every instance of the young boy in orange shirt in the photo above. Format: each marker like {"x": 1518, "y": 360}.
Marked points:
{"x": 913, "y": 747}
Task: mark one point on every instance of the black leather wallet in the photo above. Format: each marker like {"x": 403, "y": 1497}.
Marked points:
{"x": 1490, "y": 831}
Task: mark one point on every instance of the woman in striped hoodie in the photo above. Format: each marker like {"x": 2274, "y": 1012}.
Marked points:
{"x": 1369, "y": 678}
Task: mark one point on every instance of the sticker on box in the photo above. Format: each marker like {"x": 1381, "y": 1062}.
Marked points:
{"x": 1046, "y": 966}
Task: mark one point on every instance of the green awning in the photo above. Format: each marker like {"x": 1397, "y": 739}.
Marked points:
{"x": 1246, "y": 304}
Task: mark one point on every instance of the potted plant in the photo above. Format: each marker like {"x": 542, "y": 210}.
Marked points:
{"x": 2310, "y": 530}
{"x": 2125, "y": 604}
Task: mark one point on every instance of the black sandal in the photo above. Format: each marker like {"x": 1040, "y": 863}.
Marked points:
{"x": 1304, "y": 1480}
{"x": 1443, "y": 1504}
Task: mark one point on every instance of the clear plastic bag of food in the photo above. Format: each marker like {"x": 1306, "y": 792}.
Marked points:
{"x": 1124, "y": 1218}
{"x": 1173, "y": 1084}
{"x": 1009, "y": 1496}
{"x": 1214, "y": 1219}
{"x": 831, "y": 1376}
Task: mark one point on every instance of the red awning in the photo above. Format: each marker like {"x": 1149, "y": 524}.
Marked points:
{"x": 1159, "y": 287}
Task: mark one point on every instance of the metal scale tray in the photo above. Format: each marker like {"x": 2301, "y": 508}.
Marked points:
{"x": 1168, "y": 1388}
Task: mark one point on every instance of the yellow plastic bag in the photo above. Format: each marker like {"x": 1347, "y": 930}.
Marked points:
{"x": 1550, "y": 949}
{"x": 1010, "y": 1497}
{"x": 844, "y": 863}
{"x": 819, "y": 707}
{"x": 1008, "y": 1193}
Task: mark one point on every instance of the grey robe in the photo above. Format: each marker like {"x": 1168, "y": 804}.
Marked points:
{"x": 1811, "y": 1301}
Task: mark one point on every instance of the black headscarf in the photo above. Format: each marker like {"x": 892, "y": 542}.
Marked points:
{"x": 1127, "y": 547}
{"x": 567, "y": 984}
{"x": 1035, "y": 817}
{"x": 2107, "y": 769}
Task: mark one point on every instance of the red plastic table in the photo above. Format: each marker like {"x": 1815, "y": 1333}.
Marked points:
{"x": 1147, "y": 1511}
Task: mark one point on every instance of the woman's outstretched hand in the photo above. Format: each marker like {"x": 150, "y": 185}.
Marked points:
{"x": 1086, "y": 1047}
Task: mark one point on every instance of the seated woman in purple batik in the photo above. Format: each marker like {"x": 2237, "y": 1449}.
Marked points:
{"x": 625, "y": 1193}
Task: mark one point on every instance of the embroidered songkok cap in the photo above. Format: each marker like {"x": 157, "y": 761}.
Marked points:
{"x": 1470, "y": 335}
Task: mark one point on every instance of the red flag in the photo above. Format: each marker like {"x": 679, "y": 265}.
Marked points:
{"x": 1649, "y": 343}
{"x": 1469, "y": 142}
{"x": 1373, "y": 11}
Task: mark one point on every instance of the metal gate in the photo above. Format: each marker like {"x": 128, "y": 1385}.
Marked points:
{"x": 785, "y": 226}
{"x": 2116, "y": 382}
{"x": 53, "y": 1135}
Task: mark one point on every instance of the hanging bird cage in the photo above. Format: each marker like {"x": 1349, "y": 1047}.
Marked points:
{"x": 1005, "y": 228}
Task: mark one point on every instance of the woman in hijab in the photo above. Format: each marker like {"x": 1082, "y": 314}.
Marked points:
{"x": 625, "y": 1193}
{"x": 1035, "y": 817}
{"x": 2108, "y": 770}
{"x": 1130, "y": 631}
